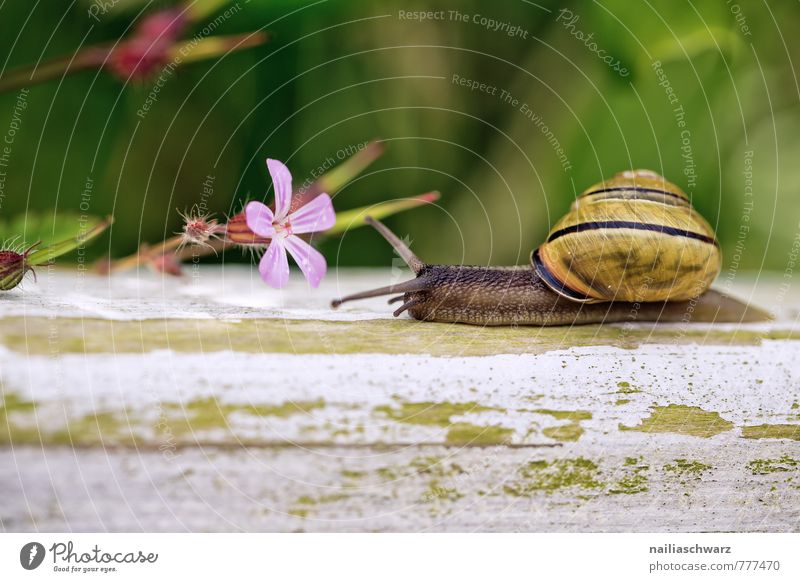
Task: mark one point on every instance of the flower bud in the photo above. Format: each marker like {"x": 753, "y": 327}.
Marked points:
{"x": 148, "y": 48}
{"x": 166, "y": 263}
{"x": 199, "y": 228}
{"x": 238, "y": 233}
{"x": 168, "y": 23}
{"x": 13, "y": 266}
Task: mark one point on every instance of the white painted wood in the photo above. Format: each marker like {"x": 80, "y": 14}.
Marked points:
{"x": 253, "y": 489}
{"x": 250, "y": 436}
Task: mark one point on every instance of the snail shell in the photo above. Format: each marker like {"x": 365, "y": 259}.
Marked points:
{"x": 635, "y": 237}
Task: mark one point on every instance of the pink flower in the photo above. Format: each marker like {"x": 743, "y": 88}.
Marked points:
{"x": 283, "y": 228}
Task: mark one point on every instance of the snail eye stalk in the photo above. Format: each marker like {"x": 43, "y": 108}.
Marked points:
{"x": 415, "y": 264}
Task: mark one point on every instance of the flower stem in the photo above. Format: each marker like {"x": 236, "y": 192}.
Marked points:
{"x": 200, "y": 9}
{"x": 88, "y": 58}
{"x": 215, "y": 46}
{"x": 47, "y": 254}
{"x": 145, "y": 253}
{"x": 354, "y": 218}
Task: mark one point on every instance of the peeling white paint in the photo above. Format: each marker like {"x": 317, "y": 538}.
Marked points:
{"x": 251, "y": 474}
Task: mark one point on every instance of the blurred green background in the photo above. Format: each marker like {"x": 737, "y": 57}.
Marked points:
{"x": 338, "y": 73}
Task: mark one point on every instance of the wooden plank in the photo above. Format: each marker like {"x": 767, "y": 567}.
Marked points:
{"x": 406, "y": 489}
{"x": 257, "y": 410}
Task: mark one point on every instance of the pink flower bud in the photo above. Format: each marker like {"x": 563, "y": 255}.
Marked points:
{"x": 167, "y": 263}
{"x": 169, "y": 23}
{"x": 149, "y": 47}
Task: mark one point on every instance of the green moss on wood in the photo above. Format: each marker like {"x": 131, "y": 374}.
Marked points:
{"x": 438, "y": 492}
{"x": 784, "y": 464}
{"x": 176, "y": 421}
{"x": 430, "y": 413}
{"x": 439, "y": 470}
{"x": 433, "y": 466}
{"x": 634, "y": 480}
{"x": 43, "y": 335}
{"x": 681, "y": 419}
{"x": 685, "y": 468}
{"x": 464, "y": 433}
{"x": 387, "y": 473}
{"x": 550, "y": 476}
{"x": 631, "y": 484}
{"x": 209, "y": 413}
{"x": 106, "y": 428}
{"x": 772, "y": 431}
{"x": 16, "y": 421}
{"x": 12, "y": 403}
{"x": 350, "y": 474}
{"x": 626, "y": 388}
{"x": 18, "y": 427}
{"x": 565, "y": 433}
{"x": 575, "y": 415}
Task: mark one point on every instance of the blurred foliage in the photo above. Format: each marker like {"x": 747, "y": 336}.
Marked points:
{"x": 339, "y": 73}
{"x": 44, "y": 227}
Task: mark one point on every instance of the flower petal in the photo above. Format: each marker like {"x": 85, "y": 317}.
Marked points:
{"x": 316, "y": 216}
{"x": 309, "y": 259}
{"x": 274, "y": 266}
{"x": 259, "y": 219}
{"x": 282, "y": 182}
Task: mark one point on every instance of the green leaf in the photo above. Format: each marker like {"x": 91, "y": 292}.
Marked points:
{"x": 354, "y": 218}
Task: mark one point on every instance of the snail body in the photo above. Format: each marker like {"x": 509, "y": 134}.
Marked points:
{"x": 631, "y": 248}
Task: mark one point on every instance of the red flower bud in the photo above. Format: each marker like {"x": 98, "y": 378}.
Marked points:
{"x": 238, "y": 233}
{"x": 13, "y": 266}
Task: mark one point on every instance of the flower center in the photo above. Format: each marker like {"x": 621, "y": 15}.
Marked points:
{"x": 283, "y": 229}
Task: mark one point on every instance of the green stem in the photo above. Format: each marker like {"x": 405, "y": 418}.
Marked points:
{"x": 47, "y": 254}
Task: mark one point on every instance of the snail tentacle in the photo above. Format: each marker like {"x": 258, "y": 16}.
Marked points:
{"x": 421, "y": 283}
{"x": 411, "y": 286}
{"x": 401, "y": 248}
{"x": 407, "y": 305}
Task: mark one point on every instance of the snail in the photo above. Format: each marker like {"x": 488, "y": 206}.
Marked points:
{"x": 631, "y": 248}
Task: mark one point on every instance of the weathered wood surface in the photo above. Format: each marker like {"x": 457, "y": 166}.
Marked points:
{"x": 215, "y": 403}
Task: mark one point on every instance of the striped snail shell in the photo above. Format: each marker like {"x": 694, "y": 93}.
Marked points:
{"x": 634, "y": 238}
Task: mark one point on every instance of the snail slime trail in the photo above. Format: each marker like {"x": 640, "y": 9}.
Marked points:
{"x": 630, "y": 244}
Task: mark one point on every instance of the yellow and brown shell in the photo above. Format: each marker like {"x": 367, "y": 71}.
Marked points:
{"x": 634, "y": 237}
